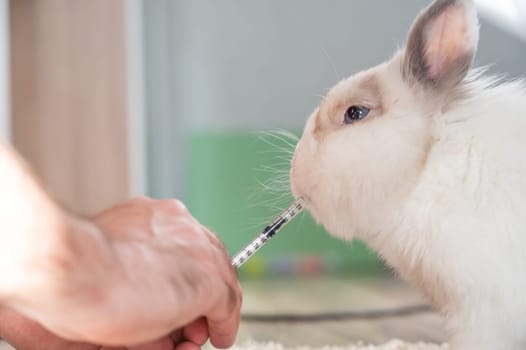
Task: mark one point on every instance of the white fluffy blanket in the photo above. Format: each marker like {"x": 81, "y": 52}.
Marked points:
{"x": 392, "y": 345}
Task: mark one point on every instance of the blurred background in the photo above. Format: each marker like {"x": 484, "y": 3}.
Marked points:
{"x": 183, "y": 98}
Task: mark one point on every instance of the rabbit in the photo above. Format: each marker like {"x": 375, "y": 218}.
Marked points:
{"x": 424, "y": 159}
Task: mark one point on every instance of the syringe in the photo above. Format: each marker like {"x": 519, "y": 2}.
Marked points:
{"x": 277, "y": 224}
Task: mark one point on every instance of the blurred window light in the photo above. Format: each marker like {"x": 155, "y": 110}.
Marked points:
{"x": 508, "y": 14}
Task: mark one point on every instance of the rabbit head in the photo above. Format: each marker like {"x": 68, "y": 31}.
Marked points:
{"x": 364, "y": 147}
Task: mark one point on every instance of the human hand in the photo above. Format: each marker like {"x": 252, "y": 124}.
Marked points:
{"x": 25, "y": 334}
{"x": 146, "y": 270}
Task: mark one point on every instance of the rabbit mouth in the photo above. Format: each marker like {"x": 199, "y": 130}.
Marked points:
{"x": 306, "y": 198}
{"x": 307, "y": 202}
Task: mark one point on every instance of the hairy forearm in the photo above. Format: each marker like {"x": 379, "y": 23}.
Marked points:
{"x": 30, "y": 223}
{"x": 42, "y": 247}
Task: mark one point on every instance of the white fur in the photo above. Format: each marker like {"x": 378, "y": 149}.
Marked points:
{"x": 437, "y": 186}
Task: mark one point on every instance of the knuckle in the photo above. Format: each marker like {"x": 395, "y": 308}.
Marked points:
{"x": 226, "y": 302}
{"x": 233, "y": 300}
{"x": 239, "y": 295}
{"x": 188, "y": 226}
{"x": 216, "y": 241}
{"x": 213, "y": 238}
{"x": 173, "y": 205}
{"x": 140, "y": 199}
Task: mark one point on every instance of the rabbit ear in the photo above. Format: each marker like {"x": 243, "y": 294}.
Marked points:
{"x": 442, "y": 44}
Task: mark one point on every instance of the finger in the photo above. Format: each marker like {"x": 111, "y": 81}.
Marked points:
{"x": 197, "y": 332}
{"x": 223, "y": 326}
{"x": 177, "y": 336}
{"x": 187, "y": 345}
{"x": 223, "y": 332}
{"x": 165, "y": 343}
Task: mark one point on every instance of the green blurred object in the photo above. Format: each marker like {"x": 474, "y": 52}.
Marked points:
{"x": 230, "y": 188}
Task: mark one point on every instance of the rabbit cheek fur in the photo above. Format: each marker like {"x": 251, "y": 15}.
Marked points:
{"x": 433, "y": 178}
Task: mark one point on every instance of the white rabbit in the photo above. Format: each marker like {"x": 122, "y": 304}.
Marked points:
{"x": 426, "y": 162}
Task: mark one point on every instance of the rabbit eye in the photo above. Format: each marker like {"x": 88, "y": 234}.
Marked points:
{"x": 355, "y": 113}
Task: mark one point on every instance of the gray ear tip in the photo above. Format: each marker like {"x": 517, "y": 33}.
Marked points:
{"x": 467, "y": 3}
{"x": 470, "y": 3}
{"x": 451, "y": 59}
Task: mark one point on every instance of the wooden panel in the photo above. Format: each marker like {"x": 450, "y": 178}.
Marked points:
{"x": 69, "y": 108}
{"x": 5, "y": 119}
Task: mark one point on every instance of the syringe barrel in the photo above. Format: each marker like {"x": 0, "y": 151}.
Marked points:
{"x": 269, "y": 231}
